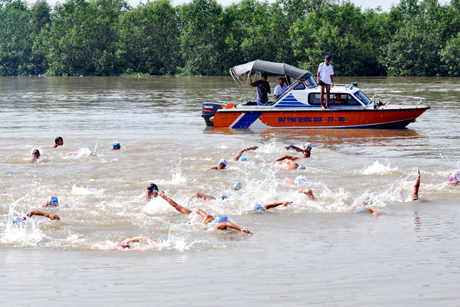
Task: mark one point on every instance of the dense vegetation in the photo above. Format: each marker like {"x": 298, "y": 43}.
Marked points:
{"x": 108, "y": 37}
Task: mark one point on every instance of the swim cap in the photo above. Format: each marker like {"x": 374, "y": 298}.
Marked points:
{"x": 222, "y": 161}
{"x": 300, "y": 180}
{"x": 17, "y": 220}
{"x": 308, "y": 145}
{"x": 223, "y": 197}
{"x": 220, "y": 219}
{"x": 257, "y": 208}
{"x": 242, "y": 159}
{"x": 301, "y": 167}
{"x": 114, "y": 144}
{"x": 237, "y": 186}
{"x": 53, "y": 200}
{"x": 152, "y": 187}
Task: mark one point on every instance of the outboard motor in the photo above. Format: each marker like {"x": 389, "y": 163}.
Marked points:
{"x": 209, "y": 110}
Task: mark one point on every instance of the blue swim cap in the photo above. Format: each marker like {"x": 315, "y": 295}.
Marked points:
{"x": 308, "y": 145}
{"x": 300, "y": 180}
{"x": 220, "y": 219}
{"x": 301, "y": 167}
{"x": 17, "y": 220}
{"x": 242, "y": 159}
{"x": 114, "y": 144}
{"x": 222, "y": 161}
{"x": 257, "y": 208}
{"x": 53, "y": 200}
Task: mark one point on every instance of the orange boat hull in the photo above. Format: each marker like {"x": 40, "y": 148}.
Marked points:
{"x": 368, "y": 118}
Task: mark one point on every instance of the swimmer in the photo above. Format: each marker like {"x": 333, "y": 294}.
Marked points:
{"x": 142, "y": 241}
{"x": 454, "y": 178}
{"x": 298, "y": 181}
{"x": 236, "y": 187}
{"x": 307, "y": 192}
{"x": 51, "y": 201}
{"x": 263, "y": 208}
{"x": 289, "y": 161}
{"x": 18, "y": 219}
{"x": 58, "y": 142}
{"x": 205, "y": 197}
{"x": 150, "y": 192}
{"x": 242, "y": 151}
{"x": 222, "y": 164}
{"x": 306, "y": 146}
{"x": 35, "y": 156}
{"x": 221, "y": 221}
{"x": 414, "y": 195}
{"x": 115, "y": 146}
{"x": 362, "y": 204}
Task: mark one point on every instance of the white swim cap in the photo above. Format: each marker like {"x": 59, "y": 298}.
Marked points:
{"x": 222, "y": 161}
{"x": 308, "y": 145}
{"x": 237, "y": 186}
{"x": 300, "y": 180}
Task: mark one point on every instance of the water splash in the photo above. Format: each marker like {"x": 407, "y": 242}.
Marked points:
{"x": 379, "y": 169}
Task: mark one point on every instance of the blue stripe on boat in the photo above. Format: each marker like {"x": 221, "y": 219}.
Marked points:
{"x": 290, "y": 102}
{"x": 247, "y": 120}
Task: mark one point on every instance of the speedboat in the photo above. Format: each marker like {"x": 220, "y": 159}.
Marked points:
{"x": 299, "y": 105}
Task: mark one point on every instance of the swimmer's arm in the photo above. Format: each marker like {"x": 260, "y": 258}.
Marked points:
{"x": 373, "y": 210}
{"x": 307, "y": 192}
{"x": 240, "y": 153}
{"x": 293, "y": 147}
{"x": 210, "y": 168}
{"x": 40, "y": 213}
{"x": 223, "y": 226}
{"x": 71, "y": 153}
{"x": 286, "y": 157}
{"x": 47, "y": 204}
{"x": 138, "y": 239}
{"x": 174, "y": 204}
{"x": 274, "y": 205}
{"x": 202, "y": 213}
{"x": 204, "y": 196}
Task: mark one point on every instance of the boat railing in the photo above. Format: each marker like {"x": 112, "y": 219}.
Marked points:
{"x": 401, "y": 101}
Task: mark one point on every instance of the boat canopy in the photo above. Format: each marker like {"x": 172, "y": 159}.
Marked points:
{"x": 270, "y": 67}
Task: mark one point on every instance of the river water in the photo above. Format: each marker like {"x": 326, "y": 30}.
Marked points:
{"x": 310, "y": 253}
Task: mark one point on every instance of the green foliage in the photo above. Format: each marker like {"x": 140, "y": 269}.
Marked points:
{"x": 16, "y": 39}
{"x": 149, "y": 39}
{"x": 450, "y": 57}
{"x": 83, "y": 37}
{"x": 107, "y": 37}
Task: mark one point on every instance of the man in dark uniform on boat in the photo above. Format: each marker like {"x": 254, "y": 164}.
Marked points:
{"x": 263, "y": 88}
{"x": 325, "y": 80}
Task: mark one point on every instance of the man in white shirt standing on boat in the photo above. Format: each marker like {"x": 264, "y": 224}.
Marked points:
{"x": 280, "y": 88}
{"x": 325, "y": 80}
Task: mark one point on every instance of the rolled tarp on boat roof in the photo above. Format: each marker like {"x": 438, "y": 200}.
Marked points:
{"x": 270, "y": 67}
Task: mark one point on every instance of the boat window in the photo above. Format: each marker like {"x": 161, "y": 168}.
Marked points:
{"x": 362, "y": 97}
{"x": 310, "y": 82}
{"x": 300, "y": 86}
{"x": 335, "y": 99}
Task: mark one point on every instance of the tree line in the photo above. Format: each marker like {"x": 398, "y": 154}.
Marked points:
{"x": 108, "y": 37}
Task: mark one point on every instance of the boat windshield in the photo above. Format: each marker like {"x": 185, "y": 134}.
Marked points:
{"x": 310, "y": 82}
{"x": 362, "y": 97}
